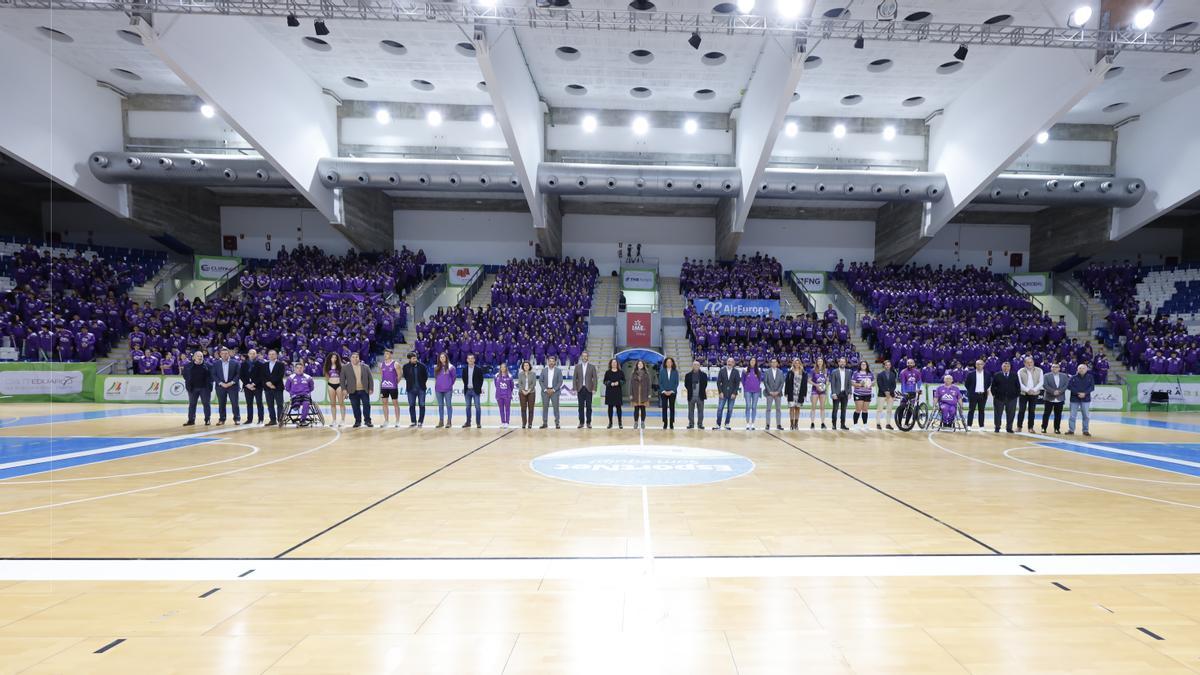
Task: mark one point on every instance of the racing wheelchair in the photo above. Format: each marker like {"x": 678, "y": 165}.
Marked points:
{"x": 302, "y": 412}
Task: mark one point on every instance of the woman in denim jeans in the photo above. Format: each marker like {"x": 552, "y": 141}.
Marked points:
{"x": 752, "y": 386}
{"x": 444, "y": 376}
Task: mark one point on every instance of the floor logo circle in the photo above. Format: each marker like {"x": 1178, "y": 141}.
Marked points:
{"x": 642, "y": 465}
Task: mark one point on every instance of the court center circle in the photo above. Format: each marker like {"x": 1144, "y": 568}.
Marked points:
{"x": 642, "y": 465}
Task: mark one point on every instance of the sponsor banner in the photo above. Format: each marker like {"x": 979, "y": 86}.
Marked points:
{"x": 639, "y": 278}
{"x": 813, "y": 282}
{"x": 1183, "y": 391}
{"x": 173, "y": 389}
{"x": 737, "y": 307}
{"x": 1108, "y": 397}
{"x": 1033, "y": 284}
{"x": 139, "y": 388}
{"x": 462, "y": 275}
{"x": 637, "y": 465}
{"x": 637, "y": 329}
{"x": 63, "y": 382}
{"x": 211, "y": 268}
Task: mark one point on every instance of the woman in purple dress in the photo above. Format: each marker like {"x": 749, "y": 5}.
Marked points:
{"x": 503, "y": 384}
{"x": 444, "y": 376}
{"x": 820, "y": 381}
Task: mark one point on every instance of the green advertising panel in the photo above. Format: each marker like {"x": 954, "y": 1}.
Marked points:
{"x": 59, "y": 382}
{"x": 1182, "y": 392}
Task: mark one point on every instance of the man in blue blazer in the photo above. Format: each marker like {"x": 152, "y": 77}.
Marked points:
{"x": 225, "y": 377}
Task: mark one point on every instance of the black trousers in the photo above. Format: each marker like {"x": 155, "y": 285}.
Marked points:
{"x": 274, "y": 404}
{"x": 585, "y": 406}
{"x": 203, "y": 396}
{"x": 839, "y": 403}
{"x": 1027, "y": 401}
{"x": 977, "y": 402}
{"x": 360, "y": 402}
{"x": 611, "y": 408}
{"x": 253, "y": 396}
{"x": 1006, "y": 408}
{"x": 1049, "y": 408}
{"x": 229, "y": 395}
{"x": 667, "y": 404}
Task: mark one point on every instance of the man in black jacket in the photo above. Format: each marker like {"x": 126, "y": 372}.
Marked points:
{"x": 1005, "y": 389}
{"x": 273, "y": 374}
{"x": 979, "y": 383}
{"x": 253, "y": 375}
{"x": 696, "y": 383}
{"x": 472, "y": 379}
{"x": 415, "y": 377}
{"x": 197, "y": 378}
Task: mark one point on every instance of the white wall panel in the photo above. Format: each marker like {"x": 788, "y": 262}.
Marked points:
{"x": 668, "y": 239}
{"x": 465, "y": 236}
{"x": 962, "y": 245}
{"x": 258, "y": 227}
{"x": 814, "y": 245}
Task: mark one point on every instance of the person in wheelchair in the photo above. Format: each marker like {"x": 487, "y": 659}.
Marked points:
{"x": 299, "y": 385}
{"x": 949, "y": 399}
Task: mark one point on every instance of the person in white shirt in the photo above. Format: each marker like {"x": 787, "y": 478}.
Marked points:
{"x": 1031, "y": 379}
{"x": 979, "y": 383}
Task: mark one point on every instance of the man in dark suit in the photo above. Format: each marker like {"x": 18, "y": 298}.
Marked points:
{"x": 472, "y": 378}
{"x": 197, "y": 379}
{"x": 696, "y": 383}
{"x": 416, "y": 375}
{"x": 729, "y": 383}
{"x": 253, "y": 375}
{"x": 979, "y": 383}
{"x": 839, "y": 391}
{"x": 225, "y": 376}
{"x": 1005, "y": 390}
{"x": 273, "y": 375}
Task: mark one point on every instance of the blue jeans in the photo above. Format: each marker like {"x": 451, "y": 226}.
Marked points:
{"x": 1082, "y": 407}
{"x": 468, "y": 397}
{"x": 445, "y": 406}
{"x": 726, "y": 404}
{"x": 416, "y": 398}
{"x": 752, "y": 406}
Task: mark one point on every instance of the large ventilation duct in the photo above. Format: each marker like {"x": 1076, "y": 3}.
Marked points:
{"x": 1063, "y": 191}
{"x": 185, "y": 169}
{"x": 644, "y": 181}
{"x": 445, "y": 175}
{"x": 858, "y": 186}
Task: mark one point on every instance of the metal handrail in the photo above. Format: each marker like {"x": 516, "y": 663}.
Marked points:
{"x": 1027, "y": 295}
{"x": 219, "y": 285}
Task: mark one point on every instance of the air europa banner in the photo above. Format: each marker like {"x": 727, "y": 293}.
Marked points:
{"x": 738, "y": 307}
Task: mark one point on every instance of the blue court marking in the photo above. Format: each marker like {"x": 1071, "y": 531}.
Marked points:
{"x": 1188, "y": 452}
{"x": 58, "y": 418}
{"x": 1148, "y": 423}
{"x": 49, "y": 450}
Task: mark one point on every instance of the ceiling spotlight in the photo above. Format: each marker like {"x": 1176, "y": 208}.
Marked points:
{"x": 589, "y": 124}
{"x": 383, "y": 116}
{"x": 292, "y": 21}
{"x": 887, "y": 10}
{"x": 745, "y": 6}
{"x": 1042, "y": 137}
{"x": 640, "y": 125}
{"x": 839, "y": 131}
{"x": 1143, "y": 18}
{"x": 961, "y": 52}
{"x": 319, "y": 27}
{"x": 1080, "y": 16}
{"x": 791, "y": 129}
{"x": 433, "y": 118}
{"x": 788, "y": 9}
{"x": 690, "y": 127}
{"x": 694, "y": 40}
{"x": 889, "y": 133}
{"x": 487, "y": 119}
{"x": 207, "y": 110}
{"x": 858, "y": 42}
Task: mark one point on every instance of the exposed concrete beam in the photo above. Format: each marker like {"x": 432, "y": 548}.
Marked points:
{"x": 1162, "y": 148}
{"x": 53, "y": 117}
{"x": 369, "y": 222}
{"x": 188, "y": 215}
{"x": 519, "y": 112}
{"x": 898, "y": 231}
{"x": 728, "y": 238}
{"x": 999, "y": 116}
{"x": 1062, "y": 238}
{"x": 549, "y": 236}
{"x": 268, "y": 99}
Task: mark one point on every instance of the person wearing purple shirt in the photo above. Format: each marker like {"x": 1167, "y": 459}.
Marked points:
{"x": 389, "y": 387}
{"x": 444, "y": 377}
{"x": 503, "y": 384}
{"x": 752, "y": 387}
{"x": 948, "y": 397}
{"x": 298, "y": 384}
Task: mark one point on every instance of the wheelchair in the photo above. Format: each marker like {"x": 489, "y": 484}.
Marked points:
{"x": 933, "y": 421}
{"x": 295, "y": 413}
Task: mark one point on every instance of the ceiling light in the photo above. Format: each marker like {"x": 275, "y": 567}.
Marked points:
{"x": 1080, "y": 16}
{"x": 788, "y": 9}
{"x": 434, "y": 118}
{"x": 889, "y": 133}
{"x": 839, "y": 131}
{"x": 690, "y": 127}
{"x": 1042, "y": 137}
{"x": 1143, "y": 18}
{"x": 292, "y": 21}
{"x": 207, "y": 110}
{"x": 858, "y": 42}
{"x": 887, "y": 10}
{"x": 640, "y": 125}
{"x": 487, "y": 119}
{"x": 791, "y": 129}
{"x": 961, "y": 52}
{"x": 383, "y": 116}
{"x": 487, "y": 3}
{"x": 694, "y": 40}
{"x": 319, "y": 27}
{"x": 589, "y": 124}
{"x": 745, "y": 6}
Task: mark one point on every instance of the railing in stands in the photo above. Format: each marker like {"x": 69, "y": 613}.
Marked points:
{"x": 802, "y": 293}
{"x": 107, "y": 369}
{"x": 220, "y": 284}
{"x": 1026, "y": 294}
{"x": 1075, "y": 299}
{"x": 843, "y": 301}
{"x": 468, "y": 292}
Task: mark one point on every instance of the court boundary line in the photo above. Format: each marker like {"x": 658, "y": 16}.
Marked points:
{"x": 995, "y": 551}
{"x": 363, "y": 510}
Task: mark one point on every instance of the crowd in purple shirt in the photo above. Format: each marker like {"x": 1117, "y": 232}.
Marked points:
{"x": 749, "y": 277}
{"x": 539, "y": 308}
{"x": 308, "y": 268}
{"x": 715, "y": 338}
{"x": 1116, "y": 284}
{"x": 946, "y": 319}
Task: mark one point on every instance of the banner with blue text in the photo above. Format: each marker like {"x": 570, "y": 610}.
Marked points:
{"x": 738, "y": 307}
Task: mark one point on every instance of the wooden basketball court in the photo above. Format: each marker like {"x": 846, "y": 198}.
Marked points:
{"x": 466, "y": 551}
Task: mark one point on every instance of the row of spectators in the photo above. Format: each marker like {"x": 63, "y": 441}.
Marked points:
{"x": 749, "y": 277}
{"x": 715, "y": 338}
{"x": 308, "y": 268}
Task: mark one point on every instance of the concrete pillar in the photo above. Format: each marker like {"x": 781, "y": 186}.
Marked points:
{"x": 1063, "y": 238}
{"x": 728, "y": 238}
{"x": 898, "y": 232}
{"x": 179, "y": 217}
{"x": 369, "y": 224}
{"x": 549, "y": 231}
